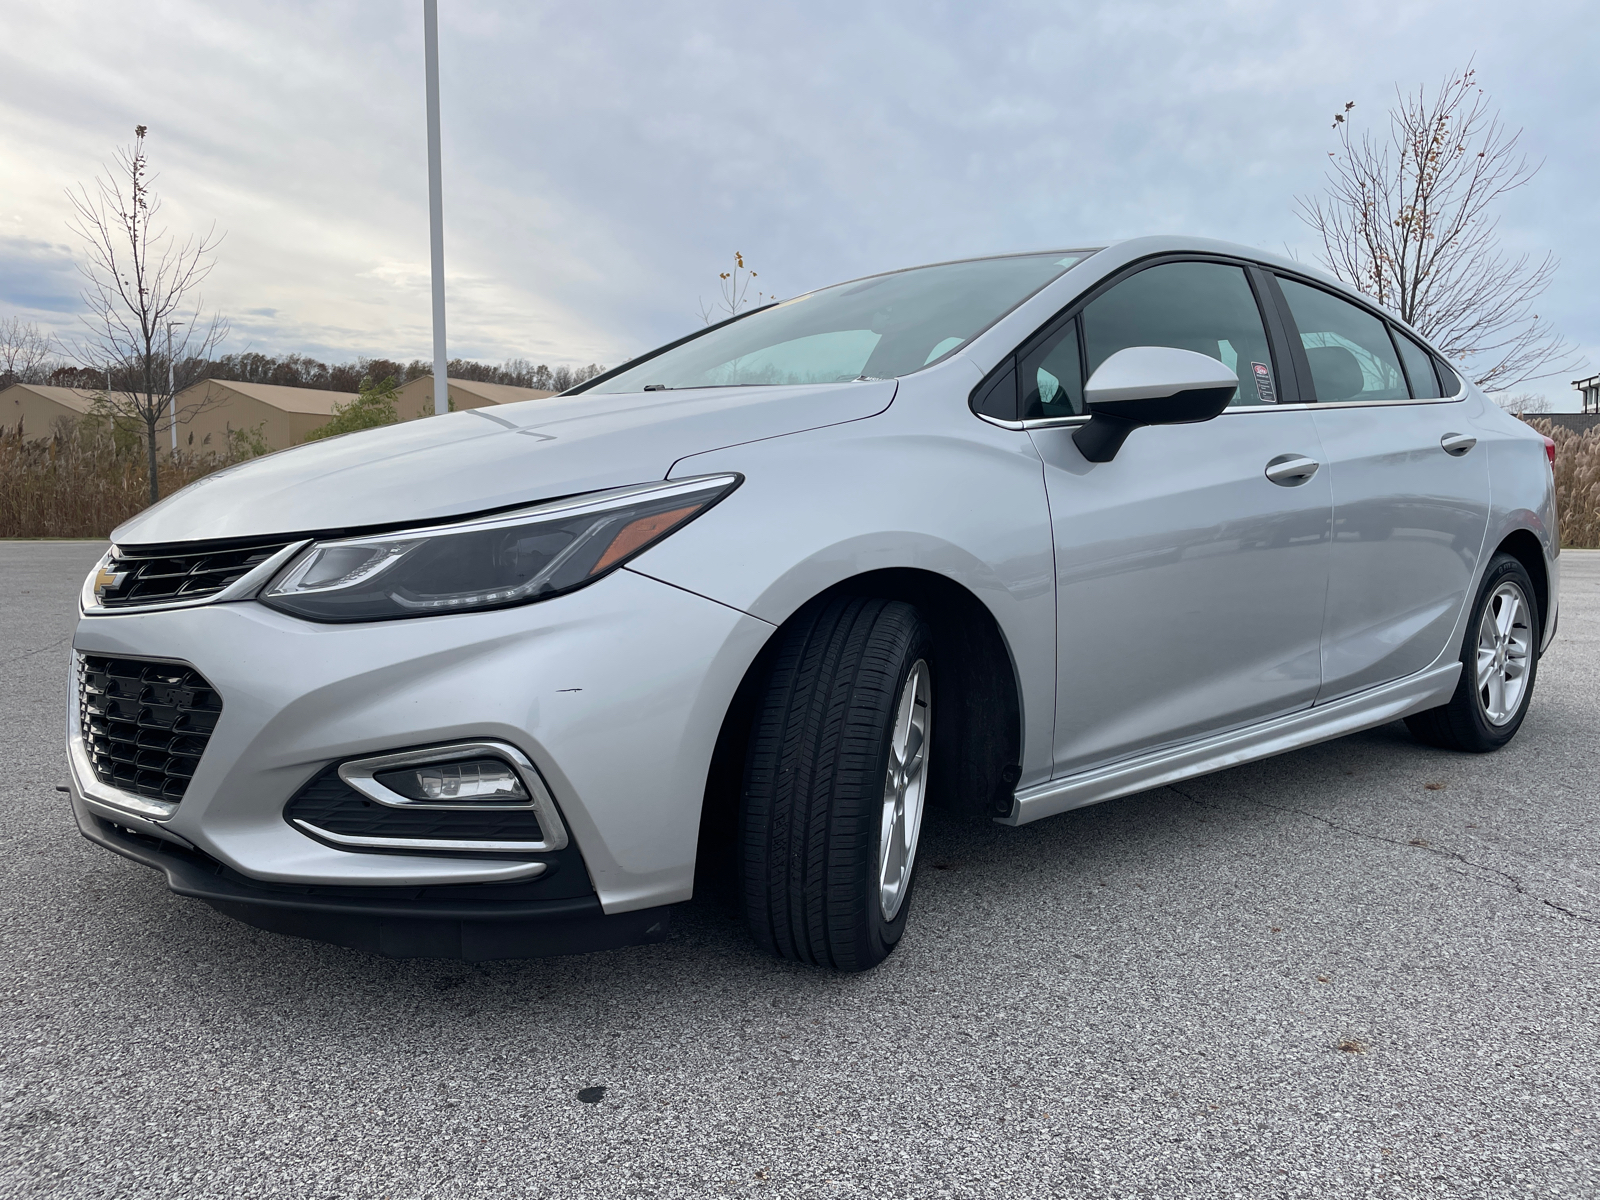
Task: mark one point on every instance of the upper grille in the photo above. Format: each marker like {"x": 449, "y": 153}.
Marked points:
{"x": 145, "y": 724}
{"x": 147, "y": 578}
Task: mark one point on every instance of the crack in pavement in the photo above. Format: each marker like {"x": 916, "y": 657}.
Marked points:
{"x": 64, "y": 638}
{"x": 1515, "y": 885}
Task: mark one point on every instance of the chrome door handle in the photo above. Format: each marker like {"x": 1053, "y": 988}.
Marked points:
{"x": 1457, "y": 444}
{"x": 1291, "y": 470}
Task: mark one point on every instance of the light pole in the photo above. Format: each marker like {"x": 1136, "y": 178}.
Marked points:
{"x": 430, "y": 24}
{"x": 172, "y": 391}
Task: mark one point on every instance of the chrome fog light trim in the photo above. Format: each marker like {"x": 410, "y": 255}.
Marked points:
{"x": 396, "y": 843}
{"x": 360, "y": 775}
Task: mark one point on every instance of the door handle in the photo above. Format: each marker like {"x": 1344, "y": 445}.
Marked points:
{"x": 1457, "y": 444}
{"x": 1291, "y": 470}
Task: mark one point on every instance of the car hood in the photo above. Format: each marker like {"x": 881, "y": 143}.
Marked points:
{"x": 488, "y": 458}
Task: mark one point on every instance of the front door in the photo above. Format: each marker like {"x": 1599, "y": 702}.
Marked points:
{"x": 1190, "y": 586}
{"x": 1410, "y": 493}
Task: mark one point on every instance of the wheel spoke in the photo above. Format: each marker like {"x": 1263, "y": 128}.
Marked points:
{"x": 1485, "y": 665}
{"x": 1497, "y": 695}
{"x": 1510, "y": 608}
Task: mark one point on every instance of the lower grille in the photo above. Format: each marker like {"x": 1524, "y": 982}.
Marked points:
{"x": 145, "y": 724}
{"x": 333, "y": 806}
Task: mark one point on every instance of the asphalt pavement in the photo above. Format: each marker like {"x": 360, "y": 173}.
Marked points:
{"x": 1364, "y": 969}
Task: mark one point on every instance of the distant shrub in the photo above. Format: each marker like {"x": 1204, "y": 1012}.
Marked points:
{"x": 373, "y": 406}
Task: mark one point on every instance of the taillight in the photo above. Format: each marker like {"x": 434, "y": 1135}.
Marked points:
{"x": 1550, "y": 451}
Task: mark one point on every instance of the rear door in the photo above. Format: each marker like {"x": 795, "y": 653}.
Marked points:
{"x": 1189, "y": 586}
{"x": 1410, "y": 490}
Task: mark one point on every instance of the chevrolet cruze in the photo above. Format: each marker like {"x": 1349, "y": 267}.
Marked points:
{"x": 1009, "y": 535}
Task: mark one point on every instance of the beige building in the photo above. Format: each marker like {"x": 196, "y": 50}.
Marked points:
{"x": 284, "y": 415}
{"x": 37, "y": 407}
{"x": 415, "y": 399}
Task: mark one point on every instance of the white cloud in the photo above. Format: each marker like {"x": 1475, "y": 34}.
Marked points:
{"x": 603, "y": 161}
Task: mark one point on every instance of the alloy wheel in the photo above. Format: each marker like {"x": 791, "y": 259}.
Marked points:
{"x": 1505, "y": 642}
{"x": 904, "y": 789}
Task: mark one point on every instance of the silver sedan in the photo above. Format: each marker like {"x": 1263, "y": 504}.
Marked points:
{"x": 1009, "y": 535}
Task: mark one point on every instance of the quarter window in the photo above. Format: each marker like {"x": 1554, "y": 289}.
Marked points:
{"x": 1201, "y": 306}
{"x": 1348, "y": 348}
{"x": 1052, "y": 377}
{"x": 1419, "y": 368}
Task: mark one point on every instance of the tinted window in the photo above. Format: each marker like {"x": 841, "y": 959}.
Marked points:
{"x": 1419, "y": 368}
{"x": 1052, "y": 377}
{"x": 881, "y": 327}
{"x": 1207, "y": 307}
{"x": 1448, "y": 380}
{"x": 1348, "y": 348}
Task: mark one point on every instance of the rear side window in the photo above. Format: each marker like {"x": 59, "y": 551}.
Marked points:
{"x": 1349, "y": 350}
{"x": 1201, "y": 306}
{"x": 1419, "y": 368}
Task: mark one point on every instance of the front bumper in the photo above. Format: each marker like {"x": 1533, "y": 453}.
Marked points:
{"x": 615, "y": 692}
{"x": 473, "y": 922}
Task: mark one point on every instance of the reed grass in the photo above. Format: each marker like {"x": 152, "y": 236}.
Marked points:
{"x": 84, "y": 480}
{"x": 1577, "y": 483}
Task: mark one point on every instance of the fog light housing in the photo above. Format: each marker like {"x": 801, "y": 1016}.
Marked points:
{"x": 478, "y": 780}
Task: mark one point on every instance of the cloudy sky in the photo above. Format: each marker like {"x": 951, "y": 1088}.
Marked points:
{"x": 604, "y": 160}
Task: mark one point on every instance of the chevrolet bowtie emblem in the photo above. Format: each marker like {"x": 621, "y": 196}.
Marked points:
{"x": 106, "y": 579}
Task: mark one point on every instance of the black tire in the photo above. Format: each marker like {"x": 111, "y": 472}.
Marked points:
{"x": 1463, "y": 723}
{"x": 813, "y": 792}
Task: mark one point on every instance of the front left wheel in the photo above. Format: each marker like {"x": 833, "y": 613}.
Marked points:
{"x": 836, "y": 781}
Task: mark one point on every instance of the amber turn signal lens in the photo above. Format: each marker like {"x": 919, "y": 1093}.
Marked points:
{"x": 640, "y": 533}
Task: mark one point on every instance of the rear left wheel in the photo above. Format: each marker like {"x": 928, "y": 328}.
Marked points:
{"x": 836, "y": 783}
{"x": 1499, "y": 662}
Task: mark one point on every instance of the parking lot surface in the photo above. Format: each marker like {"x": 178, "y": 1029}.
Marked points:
{"x": 1363, "y": 969}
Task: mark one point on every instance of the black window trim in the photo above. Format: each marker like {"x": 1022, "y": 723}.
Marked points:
{"x": 1389, "y": 323}
{"x": 1279, "y": 345}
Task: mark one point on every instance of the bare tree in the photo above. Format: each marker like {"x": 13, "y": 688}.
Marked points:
{"x": 1408, "y": 219}
{"x": 735, "y": 297}
{"x": 26, "y": 354}
{"x": 145, "y": 328}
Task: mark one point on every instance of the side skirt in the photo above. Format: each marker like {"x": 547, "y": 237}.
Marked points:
{"x": 1350, "y": 714}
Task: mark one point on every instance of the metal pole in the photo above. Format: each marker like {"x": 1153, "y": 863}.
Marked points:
{"x": 441, "y": 383}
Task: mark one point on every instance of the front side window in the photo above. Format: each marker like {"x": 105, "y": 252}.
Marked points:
{"x": 881, "y": 327}
{"x": 1349, "y": 350}
{"x": 1201, "y": 306}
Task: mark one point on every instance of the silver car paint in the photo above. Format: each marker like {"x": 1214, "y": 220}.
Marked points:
{"x": 1409, "y": 524}
{"x": 617, "y": 691}
{"x": 470, "y": 462}
{"x": 948, "y": 494}
{"x": 1189, "y": 587}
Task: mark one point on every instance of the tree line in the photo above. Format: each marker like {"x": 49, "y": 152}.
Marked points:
{"x": 27, "y": 356}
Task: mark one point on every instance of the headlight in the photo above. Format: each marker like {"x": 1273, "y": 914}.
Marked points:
{"x": 492, "y": 562}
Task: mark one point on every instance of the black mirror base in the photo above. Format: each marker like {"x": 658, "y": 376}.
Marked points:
{"x": 1102, "y": 437}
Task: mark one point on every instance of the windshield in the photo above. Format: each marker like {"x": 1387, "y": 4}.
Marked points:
{"x": 878, "y": 328}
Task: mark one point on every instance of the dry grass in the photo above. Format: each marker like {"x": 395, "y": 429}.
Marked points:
{"x": 83, "y": 481}
{"x": 1577, "y": 483}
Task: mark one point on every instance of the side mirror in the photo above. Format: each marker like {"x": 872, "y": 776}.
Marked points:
{"x": 1149, "y": 385}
